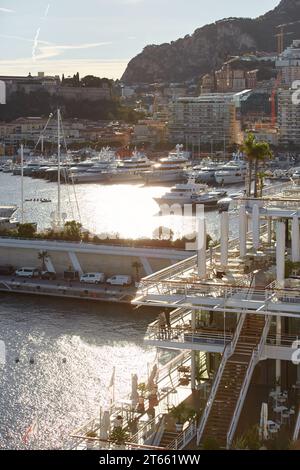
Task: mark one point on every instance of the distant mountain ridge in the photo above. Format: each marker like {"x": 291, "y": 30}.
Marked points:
{"x": 208, "y": 47}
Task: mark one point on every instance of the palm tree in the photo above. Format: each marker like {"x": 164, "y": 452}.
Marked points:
{"x": 137, "y": 266}
{"x": 42, "y": 256}
{"x": 256, "y": 152}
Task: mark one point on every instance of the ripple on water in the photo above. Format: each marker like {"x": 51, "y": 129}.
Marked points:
{"x": 74, "y": 352}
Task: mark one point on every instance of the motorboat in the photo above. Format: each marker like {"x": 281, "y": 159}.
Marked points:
{"x": 191, "y": 193}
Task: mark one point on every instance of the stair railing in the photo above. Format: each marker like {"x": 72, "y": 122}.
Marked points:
{"x": 297, "y": 428}
{"x": 228, "y": 351}
{"x": 185, "y": 437}
{"x": 246, "y": 383}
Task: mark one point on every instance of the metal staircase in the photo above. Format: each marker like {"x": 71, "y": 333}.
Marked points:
{"x": 220, "y": 418}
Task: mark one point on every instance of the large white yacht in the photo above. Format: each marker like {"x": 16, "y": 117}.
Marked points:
{"x": 206, "y": 174}
{"x": 92, "y": 169}
{"x": 233, "y": 172}
{"x": 191, "y": 193}
{"x": 130, "y": 169}
{"x": 112, "y": 170}
{"x": 172, "y": 168}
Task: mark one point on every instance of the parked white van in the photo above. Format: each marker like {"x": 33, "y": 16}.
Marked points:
{"x": 92, "y": 278}
{"x": 27, "y": 272}
{"x": 120, "y": 280}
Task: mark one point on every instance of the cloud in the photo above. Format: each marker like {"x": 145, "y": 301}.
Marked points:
{"x": 21, "y": 38}
{"x": 6, "y": 10}
{"x": 45, "y": 49}
{"x": 53, "y": 50}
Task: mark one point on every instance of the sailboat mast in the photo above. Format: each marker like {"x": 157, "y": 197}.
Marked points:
{"x": 22, "y": 183}
{"x": 58, "y": 169}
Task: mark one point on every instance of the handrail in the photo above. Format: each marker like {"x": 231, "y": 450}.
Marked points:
{"x": 242, "y": 396}
{"x": 245, "y": 386}
{"x": 147, "y": 427}
{"x": 189, "y": 263}
{"x": 227, "y": 353}
{"x": 213, "y": 335}
{"x": 185, "y": 437}
{"x": 184, "y": 334}
{"x": 297, "y": 428}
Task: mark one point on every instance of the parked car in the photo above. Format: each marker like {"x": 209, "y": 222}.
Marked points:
{"x": 92, "y": 278}
{"x": 49, "y": 275}
{"x": 6, "y": 270}
{"x": 120, "y": 280}
{"x": 27, "y": 272}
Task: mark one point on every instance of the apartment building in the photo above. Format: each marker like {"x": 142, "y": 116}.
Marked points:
{"x": 288, "y": 64}
{"x": 211, "y": 117}
{"x": 288, "y": 118}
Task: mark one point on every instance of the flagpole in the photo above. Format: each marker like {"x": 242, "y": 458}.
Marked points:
{"x": 22, "y": 183}
{"x": 113, "y": 385}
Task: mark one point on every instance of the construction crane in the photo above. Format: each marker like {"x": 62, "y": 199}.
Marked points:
{"x": 273, "y": 101}
{"x": 282, "y": 33}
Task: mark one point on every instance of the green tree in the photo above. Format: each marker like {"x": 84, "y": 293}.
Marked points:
{"x": 72, "y": 230}
{"x": 256, "y": 152}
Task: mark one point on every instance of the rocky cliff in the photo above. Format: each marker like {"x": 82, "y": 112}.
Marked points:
{"x": 208, "y": 47}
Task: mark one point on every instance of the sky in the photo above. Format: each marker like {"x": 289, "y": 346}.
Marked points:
{"x": 99, "y": 37}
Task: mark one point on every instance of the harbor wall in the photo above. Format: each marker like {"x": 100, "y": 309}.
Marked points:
{"x": 87, "y": 257}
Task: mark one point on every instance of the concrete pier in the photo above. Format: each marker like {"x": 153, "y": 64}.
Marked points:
{"x": 67, "y": 290}
{"x": 87, "y": 257}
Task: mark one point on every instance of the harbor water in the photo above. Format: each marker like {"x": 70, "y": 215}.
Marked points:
{"x": 60, "y": 356}
{"x": 60, "y": 353}
{"x": 127, "y": 210}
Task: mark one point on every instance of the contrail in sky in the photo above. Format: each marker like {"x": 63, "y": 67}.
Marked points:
{"x": 37, "y": 34}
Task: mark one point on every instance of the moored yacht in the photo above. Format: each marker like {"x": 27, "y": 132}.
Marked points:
{"x": 206, "y": 174}
{"x": 191, "y": 193}
{"x": 130, "y": 170}
{"x": 169, "y": 169}
{"x": 233, "y": 172}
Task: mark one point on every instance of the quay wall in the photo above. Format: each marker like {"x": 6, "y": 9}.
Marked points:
{"x": 87, "y": 257}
